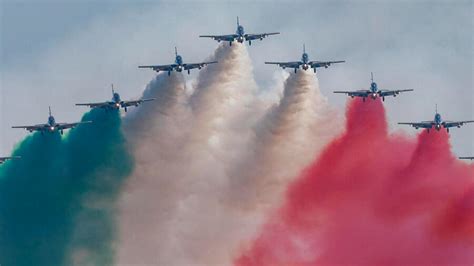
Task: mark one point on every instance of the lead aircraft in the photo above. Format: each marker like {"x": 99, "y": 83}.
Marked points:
{"x": 239, "y": 36}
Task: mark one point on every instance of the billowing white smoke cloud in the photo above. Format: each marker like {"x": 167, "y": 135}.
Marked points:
{"x": 204, "y": 167}
{"x": 182, "y": 159}
{"x": 156, "y": 133}
{"x": 289, "y": 137}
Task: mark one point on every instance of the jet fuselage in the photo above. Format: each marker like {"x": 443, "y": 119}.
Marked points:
{"x": 240, "y": 32}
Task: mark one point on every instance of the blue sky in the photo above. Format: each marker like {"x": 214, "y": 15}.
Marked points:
{"x": 58, "y": 53}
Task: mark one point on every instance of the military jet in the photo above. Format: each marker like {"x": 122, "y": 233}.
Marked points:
{"x": 437, "y": 123}
{"x": 373, "y": 92}
{"x": 178, "y": 65}
{"x": 305, "y": 64}
{"x": 467, "y": 158}
{"x": 3, "y": 159}
{"x": 239, "y": 36}
{"x": 115, "y": 103}
{"x": 51, "y": 126}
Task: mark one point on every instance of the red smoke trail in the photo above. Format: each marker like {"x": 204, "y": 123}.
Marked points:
{"x": 374, "y": 199}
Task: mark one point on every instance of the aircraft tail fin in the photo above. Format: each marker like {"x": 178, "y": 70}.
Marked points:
{"x": 49, "y": 107}
{"x": 304, "y": 48}
{"x": 113, "y": 91}
{"x": 238, "y": 21}
{"x": 372, "y": 76}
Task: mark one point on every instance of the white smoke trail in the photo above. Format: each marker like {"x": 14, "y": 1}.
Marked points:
{"x": 156, "y": 132}
{"x": 202, "y": 176}
{"x": 292, "y": 133}
{"x": 224, "y": 112}
{"x": 172, "y": 206}
{"x": 288, "y": 137}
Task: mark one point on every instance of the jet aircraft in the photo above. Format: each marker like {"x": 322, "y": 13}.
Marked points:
{"x": 51, "y": 126}
{"x": 373, "y": 92}
{"x": 239, "y": 36}
{"x": 178, "y": 65}
{"x": 304, "y": 63}
{"x": 3, "y": 159}
{"x": 115, "y": 103}
{"x": 437, "y": 123}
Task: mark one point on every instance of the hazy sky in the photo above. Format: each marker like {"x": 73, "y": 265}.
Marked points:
{"x": 59, "y": 53}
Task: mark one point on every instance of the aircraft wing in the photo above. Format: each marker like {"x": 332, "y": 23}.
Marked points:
{"x": 285, "y": 64}
{"x": 316, "y": 64}
{"x": 3, "y": 159}
{"x": 423, "y": 124}
{"x": 359, "y": 93}
{"x": 448, "y": 124}
{"x": 392, "y": 92}
{"x": 94, "y": 105}
{"x": 71, "y": 125}
{"x": 198, "y": 65}
{"x": 33, "y": 128}
{"x": 467, "y": 158}
{"x": 229, "y": 37}
{"x": 159, "y": 68}
{"x": 250, "y": 37}
{"x": 137, "y": 102}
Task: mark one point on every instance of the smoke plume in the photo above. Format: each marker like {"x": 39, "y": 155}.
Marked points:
{"x": 57, "y": 201}
{"x": 187, "y": 203}
{"x": 373, "y": 198}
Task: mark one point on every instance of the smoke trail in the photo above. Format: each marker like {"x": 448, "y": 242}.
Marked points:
{"x": 187, "y": 202}
{"x": 57, "y": 201}
{"x": 157, "y": 133}
{"x": 34, "y": 219}
{"x": 99, "y": 163}
{"x": 289, "y": 136}
{"x": 172, "y": 203}
{"x": 224, "y": 110}
{"x": 372, "y": 199}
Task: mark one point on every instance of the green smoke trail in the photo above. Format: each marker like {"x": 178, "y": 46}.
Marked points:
{"x": 57, "y": 202}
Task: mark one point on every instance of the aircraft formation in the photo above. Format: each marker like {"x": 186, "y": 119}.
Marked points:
{"x": 373, "y": 92}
